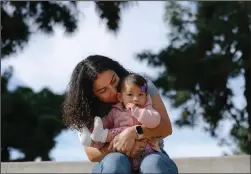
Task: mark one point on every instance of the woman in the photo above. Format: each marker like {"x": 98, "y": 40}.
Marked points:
{"x": 92, "y": 92}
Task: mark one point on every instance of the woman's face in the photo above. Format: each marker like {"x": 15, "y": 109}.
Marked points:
{"x": 105, "y": 86}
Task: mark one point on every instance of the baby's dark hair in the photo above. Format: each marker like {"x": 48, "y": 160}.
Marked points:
{"x": 133, "y": 78}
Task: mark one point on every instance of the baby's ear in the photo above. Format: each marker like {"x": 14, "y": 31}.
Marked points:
{"x": 119, "y": 96}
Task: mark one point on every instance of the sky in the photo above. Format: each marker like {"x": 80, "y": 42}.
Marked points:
{"x": 48, "y": 61}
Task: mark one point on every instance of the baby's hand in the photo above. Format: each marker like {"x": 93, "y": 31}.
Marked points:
{"x": 130, "y": 106}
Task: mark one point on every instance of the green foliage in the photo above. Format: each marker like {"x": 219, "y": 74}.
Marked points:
{"x": 21, "y": 19}
{"x": 210, "y": 44}
{"x": 30, "y": 121}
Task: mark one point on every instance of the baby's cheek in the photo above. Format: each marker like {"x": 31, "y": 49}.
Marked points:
{"x": 143, "y": 102}
{"x": 127, "y": 101}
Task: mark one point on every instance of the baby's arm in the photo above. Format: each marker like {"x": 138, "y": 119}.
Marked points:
{"x": 146, "y": 116}
{"x": 113, "y": 132}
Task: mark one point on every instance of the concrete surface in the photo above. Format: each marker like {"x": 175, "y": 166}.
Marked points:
{"x": 227, "y": 164}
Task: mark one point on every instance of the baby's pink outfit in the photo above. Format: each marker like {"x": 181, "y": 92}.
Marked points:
{"x": 119, "y": 118}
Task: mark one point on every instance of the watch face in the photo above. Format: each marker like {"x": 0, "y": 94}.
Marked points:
{"x": 139, "y": 130}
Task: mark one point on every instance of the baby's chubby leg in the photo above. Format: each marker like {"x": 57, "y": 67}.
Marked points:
{"x": 99, "y": 134}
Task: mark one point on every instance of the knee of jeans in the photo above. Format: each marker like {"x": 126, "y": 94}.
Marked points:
{"x": 158, "y": 163}
{"x": 116, "y": 163}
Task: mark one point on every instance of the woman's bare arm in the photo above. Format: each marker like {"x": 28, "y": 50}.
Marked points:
{"x": 95, "y": 155}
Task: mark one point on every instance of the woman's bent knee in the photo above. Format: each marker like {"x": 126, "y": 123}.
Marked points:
{"x": 113, "y": 163}
{"x": 158, "y": 163}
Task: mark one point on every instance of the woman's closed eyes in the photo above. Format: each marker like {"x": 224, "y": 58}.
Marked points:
{"x": 113, "y": 81}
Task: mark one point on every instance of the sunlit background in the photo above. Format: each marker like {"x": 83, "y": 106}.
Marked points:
{"x": 48, "y": 61}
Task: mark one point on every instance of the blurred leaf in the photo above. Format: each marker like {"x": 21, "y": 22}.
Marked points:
{"x": 30, "y": 121}
{"x": 30, "y": 17}
{"x": 209, "y": 45}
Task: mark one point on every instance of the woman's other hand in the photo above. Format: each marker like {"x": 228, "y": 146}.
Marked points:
{"x": 138, "y": 148}
{"x": 124, "y": 141}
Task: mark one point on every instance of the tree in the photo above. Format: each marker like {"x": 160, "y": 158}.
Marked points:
{"x": 208, "y": 47}
{"x": 30, "y": 121}
{"x": 21, "y": 19}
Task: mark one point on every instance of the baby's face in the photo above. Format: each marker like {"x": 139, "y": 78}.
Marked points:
{"x": 132, "y": 93}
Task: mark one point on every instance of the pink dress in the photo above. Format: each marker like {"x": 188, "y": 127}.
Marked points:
{"x": 119, "y": 118}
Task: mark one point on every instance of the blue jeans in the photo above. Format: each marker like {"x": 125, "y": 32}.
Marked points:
{"x": 119, "y": 163}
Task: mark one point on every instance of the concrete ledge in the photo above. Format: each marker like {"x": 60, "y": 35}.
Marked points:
{"x": 227, "y": 164}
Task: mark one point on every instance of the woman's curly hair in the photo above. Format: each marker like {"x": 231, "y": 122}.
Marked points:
{"x": 80, "y": 105}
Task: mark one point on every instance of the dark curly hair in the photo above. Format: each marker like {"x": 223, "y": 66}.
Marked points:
{"x": 80, "y": 105}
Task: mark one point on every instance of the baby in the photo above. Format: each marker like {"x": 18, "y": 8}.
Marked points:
{"x": 134, "y": 108}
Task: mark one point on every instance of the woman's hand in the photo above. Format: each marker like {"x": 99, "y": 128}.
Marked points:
{"x": 138, "y": 148}
{"x": 124, "y": 141}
